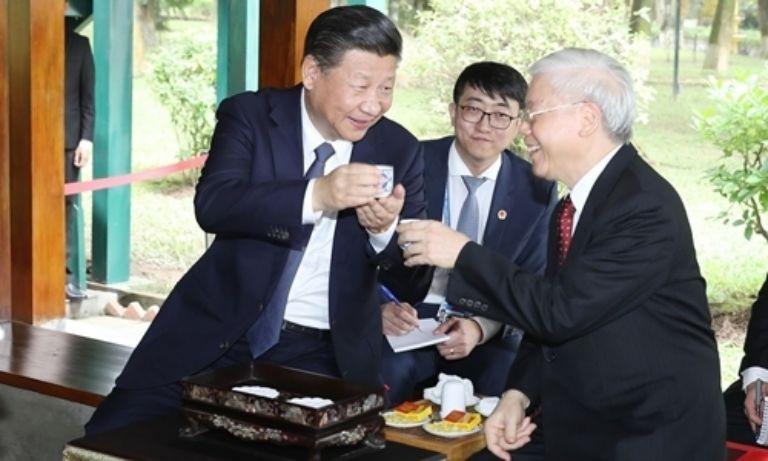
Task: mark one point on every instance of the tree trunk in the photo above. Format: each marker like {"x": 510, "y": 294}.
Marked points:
{"x": 762, "y": 16}
{"x": 720, "y": 37}
{"x": 149, "y": 17}
{"x": 639, "y": 24}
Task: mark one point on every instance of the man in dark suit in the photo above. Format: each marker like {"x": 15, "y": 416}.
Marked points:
{"x": 740, "y": 405}
{"x": 514, "y": 209}
{"x": 290, "y": 190}
{"x": 78, "y": 136}
{"x": 625, "y": 366}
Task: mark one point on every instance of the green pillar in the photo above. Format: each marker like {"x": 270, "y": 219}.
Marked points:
{"x": 380, "y": 5}
{"x": 237, "y": 62}
{"x": 113, "y": 55}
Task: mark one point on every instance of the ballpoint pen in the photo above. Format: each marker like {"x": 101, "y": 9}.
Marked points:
{"x": 389, "y": 296}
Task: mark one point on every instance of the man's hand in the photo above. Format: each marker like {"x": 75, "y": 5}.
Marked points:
{"x": 398, "y": 320}
{"x": 83, "y": 153}
{"x": 464, "y": 335}
{"x": 753, "y": 416}
{"x": 347, "y": 186}
{"x": 508, "y": 428}
{"x": 379, "y": 213}
{"x": 430, "y": 243}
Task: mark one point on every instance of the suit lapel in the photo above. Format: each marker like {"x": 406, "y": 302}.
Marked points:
{"x": 505, "y": 222}
{"x": 598, "y": 195}
{"x": 285, "y": 134}
{"x": 436, "y": 179}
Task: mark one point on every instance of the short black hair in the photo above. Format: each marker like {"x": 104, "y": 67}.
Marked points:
{"x": 338, "y": 30}
{"x": 493, "y": 79}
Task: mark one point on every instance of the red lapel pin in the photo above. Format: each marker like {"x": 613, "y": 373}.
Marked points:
{"x": 502, "y": 215}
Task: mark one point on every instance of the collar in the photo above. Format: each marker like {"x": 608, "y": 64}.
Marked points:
{"x": 581, "y": 190}
{"x": 457, "y": 167}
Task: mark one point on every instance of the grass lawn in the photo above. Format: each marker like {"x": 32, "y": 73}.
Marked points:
{"x": 165, "y": 239}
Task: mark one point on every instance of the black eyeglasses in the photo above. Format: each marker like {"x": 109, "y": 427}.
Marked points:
{"x": 497, "y": 120}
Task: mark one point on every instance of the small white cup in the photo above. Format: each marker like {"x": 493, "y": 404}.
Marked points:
{"x": 387, "y": 181}
{"x": 452, "y": 397}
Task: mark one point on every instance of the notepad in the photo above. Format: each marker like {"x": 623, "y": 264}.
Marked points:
{"x": 417, "y": 338}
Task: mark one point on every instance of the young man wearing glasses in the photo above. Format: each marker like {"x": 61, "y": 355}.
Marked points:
{"x": 507, "y": 210}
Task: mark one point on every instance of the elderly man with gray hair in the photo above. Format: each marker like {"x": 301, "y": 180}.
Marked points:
{"x": 620, "y": 358}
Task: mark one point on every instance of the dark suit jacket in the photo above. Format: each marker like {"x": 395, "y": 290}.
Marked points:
{"x": 78, "y": 90}
{"x": 756, "y": 343}
{"x": 250, "y": 195}
{"x": 526, "y": 201}
{"x": 628, "y": 367}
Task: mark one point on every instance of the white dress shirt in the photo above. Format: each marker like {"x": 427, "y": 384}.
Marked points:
{"x": 581, "y": 190}
{"x": 457, "y": 193}
{"x": 308, "y": 297}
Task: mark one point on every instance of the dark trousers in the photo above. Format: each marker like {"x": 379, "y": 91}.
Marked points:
{"x": 126, "y": 406}
{"x": 531, "y": 451}
{"x": 487, "y": 367}
{"x": 737, "y": 425}
{"x": 71, "y": 174}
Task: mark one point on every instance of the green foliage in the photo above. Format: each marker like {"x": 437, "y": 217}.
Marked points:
{"x": 184, "y": 79}
{"x": 454, "y": 34}
{"x": 738, "y": 125}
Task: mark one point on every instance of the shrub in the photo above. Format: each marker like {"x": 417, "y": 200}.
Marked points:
{"x": 184, "y": 78}
{"x": 454, "y": 34}
{"x": 738, "y": 125}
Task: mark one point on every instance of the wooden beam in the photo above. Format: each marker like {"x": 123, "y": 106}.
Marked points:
{"x": 36, "y": 146}
{"x": 5, "y": 200}
{"x": 284, "y": 25}
{"x": 237, "y": 59}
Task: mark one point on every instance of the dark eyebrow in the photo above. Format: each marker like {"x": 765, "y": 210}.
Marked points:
{"x": 504, "y": 102}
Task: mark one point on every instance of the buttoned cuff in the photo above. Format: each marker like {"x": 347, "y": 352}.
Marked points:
{"x": 488, "y": 327}
{"x": 308, "y": 215}
{"x": 381, "y": 240}
{"x": 752, "y": 374}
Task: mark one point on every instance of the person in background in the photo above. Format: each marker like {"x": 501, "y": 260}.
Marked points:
{"x": 741, "y": 404}
{"x": 290, "y": 190}
{"x": 507, "y": 210}
{"x": 79, "y": 115}
{"x": 622, "y": 360}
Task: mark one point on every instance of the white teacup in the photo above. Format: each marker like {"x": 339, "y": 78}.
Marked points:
{"x": 387, "y": 181}
{"x": 452, "y": 397}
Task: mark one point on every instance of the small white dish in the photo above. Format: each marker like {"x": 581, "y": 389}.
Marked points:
{"x": 486, "y": 405}
{"x": 450, "y": 434}
{"x": 388, "y": 421}
{"x": 472, "y": 401}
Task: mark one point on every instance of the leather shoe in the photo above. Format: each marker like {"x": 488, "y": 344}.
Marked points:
{"x": 74, "y": 293}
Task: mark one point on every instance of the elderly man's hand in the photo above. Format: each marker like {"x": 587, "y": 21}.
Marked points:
{"x": 753, "y": 416}
{"x": 379, "y": 213}
{"x": 508, "y": 428}
{"x": 430, "y": 243}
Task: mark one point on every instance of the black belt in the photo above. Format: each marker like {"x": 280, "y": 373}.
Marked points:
{"x": 316, "y": 333}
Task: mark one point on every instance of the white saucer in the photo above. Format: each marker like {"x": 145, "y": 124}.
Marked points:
{"x": 451, "y": 434}
{"x": 403, "y": 425}
{"x": 436, "y": 400}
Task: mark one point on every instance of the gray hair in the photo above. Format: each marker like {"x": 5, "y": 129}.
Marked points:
{"x": 590, "y": 75}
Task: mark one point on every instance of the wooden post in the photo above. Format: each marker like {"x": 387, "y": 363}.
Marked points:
{"x": 5, "y": 200}
{"x": 112, "y": 46}
{"x": 36, "y": 149}
{"x": 237, "y": 63}
{"x": 284, "y": 25}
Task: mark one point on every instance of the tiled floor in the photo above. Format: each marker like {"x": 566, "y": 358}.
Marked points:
{"x": 102, "y": 327}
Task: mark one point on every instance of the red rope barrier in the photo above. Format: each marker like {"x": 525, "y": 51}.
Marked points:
{"x": 121, "y": 180}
